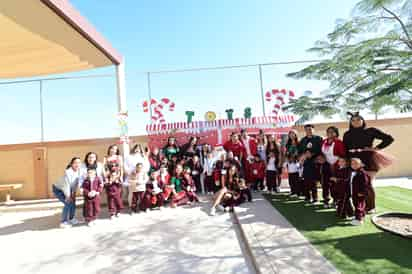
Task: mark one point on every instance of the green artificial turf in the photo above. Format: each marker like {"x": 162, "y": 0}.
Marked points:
{"x": 363, "y": 249}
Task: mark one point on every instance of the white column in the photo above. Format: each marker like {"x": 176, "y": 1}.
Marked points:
{"x": 121, "y": 97}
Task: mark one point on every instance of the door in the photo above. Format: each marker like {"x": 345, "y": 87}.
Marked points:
{"x": 41, "y": 184}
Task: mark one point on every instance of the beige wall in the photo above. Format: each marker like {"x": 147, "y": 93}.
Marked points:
{"x": 16, "y": 161}
{"x": 400, "y": 129}
{"x": 16, "y": 166}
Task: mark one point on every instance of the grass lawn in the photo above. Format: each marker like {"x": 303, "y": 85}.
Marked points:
{"x": 364, "y": 249}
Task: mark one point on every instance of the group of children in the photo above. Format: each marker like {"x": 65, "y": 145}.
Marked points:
{"x": 345, "y": 183}
{"x": 176, "y": 175}
{"x": 146, "y": 191}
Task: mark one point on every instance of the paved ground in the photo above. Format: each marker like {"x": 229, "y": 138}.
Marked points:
{"x": 182, "y": 240}
{"x": 277, "y": 246}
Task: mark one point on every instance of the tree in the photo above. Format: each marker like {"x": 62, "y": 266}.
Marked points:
{"x": 368, "y": 62}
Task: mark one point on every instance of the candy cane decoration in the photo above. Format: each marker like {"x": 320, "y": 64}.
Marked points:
{"x": 157, "y": 109}
{"x": 280, "y": 97}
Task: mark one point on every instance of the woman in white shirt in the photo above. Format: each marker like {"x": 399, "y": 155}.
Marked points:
{"x": 91, "y": 161}
{"x": 65, "y": 190}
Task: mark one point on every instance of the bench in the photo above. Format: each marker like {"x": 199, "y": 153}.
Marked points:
{"x": 8, "y": 188}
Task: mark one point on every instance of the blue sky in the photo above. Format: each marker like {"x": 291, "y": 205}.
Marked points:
{"x": 156, "y": 35}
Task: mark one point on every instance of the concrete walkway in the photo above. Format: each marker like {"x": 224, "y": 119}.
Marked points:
{"x": 182, "y": 240}
{"x": 276, "y": 245}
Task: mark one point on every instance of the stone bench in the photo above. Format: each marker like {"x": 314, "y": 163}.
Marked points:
{"x": 8, "y": 188}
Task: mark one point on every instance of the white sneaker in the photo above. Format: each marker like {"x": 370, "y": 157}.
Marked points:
{"x": 74, "y": 221}
{"x": 117, "y": 215}
{"x": 356, "y": 222}
{"x": 212, "y": 211}
{"x": 65, "y": 225}
{"x": 372, "y": 211}
{"x": 278, "y": 189}
{"x": 112, "y": 217}
{"x": 265, "y": 189}
{"x": 226, "y": 209}
{"x": 220, "y": 208}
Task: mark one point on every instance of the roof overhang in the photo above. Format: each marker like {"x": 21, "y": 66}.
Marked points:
{"x": 41, "y": 37}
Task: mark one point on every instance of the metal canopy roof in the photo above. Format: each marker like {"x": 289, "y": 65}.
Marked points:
{"x": 41, "y": 37}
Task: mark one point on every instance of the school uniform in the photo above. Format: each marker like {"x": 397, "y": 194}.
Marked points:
{"x": 164, "y": 183}
{"x": 359, "y": 182}
{"x": 137, "y": 188}
{"x": 153, "y": 196}
{"x": 83, "y": 172}
{"x": 218, "y": 172}
{"x": 293, "y": 176}
{"x": 179, "y": 196}
{"x": 271, "y": 174}
{"x": 196, "y": 170}
{"x": 257, "y": 171}
{"x": 324, "y": 178}
{"x": 309, "y": 180}
{"x": 190, "y": 188}
{"x": 114, "y": 196}
{"x": 300, "y": 182}
{"x": 91, "y": 206}
{"x": 361, "y": 138}
{"x": 208, "y": 167}
{"x": 342, "y": 188}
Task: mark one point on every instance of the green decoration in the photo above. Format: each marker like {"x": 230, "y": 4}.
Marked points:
{"x": 189, "y": 115}
{"x": 248, "y": 113}
{"x": 229, "y": 113}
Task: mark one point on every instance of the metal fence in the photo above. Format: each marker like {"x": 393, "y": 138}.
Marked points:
{"x": 84, "y": 106}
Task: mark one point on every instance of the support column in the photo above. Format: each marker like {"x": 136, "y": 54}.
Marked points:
{"x": 41, "y": 111}
{"x": 121, "y": 98}
{"x": 261, "y": 89}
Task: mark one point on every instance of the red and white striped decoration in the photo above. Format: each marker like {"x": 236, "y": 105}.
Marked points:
{"x": 278, "y": 121}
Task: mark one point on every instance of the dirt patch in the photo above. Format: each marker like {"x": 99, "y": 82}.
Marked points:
{"x": 398, "y": 223}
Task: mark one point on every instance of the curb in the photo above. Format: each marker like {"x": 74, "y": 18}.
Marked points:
{"x": 246, "y": 243}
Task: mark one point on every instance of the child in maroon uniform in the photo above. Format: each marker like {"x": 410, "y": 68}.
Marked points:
{"x": 189, "y": 186}
{"x": 153, "y": 196}
{"x": 113, "y": 188}
{"x": 257, "y": 173}
{"x": 324, "y": 174}
{"x": 340, "y": 184}
{"x": 359, "y": 182}
{"x": 92, "y": 187}
{"x": 164, "y": 181}
{"x": 196, "y": 167}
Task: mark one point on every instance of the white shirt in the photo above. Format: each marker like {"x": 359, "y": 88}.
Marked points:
{"x": 208, "y": 166}
{"x": 271, "y": 164}
{"x": 293, "y": 167}
{"x": 69, "y": 182}
{"x": 247, "y": 146}
{"x": 327, "y": 150}
{"x": 156, "y": 188}
{"x": 132, "y": 160}
{"x": 139, "y": 184}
